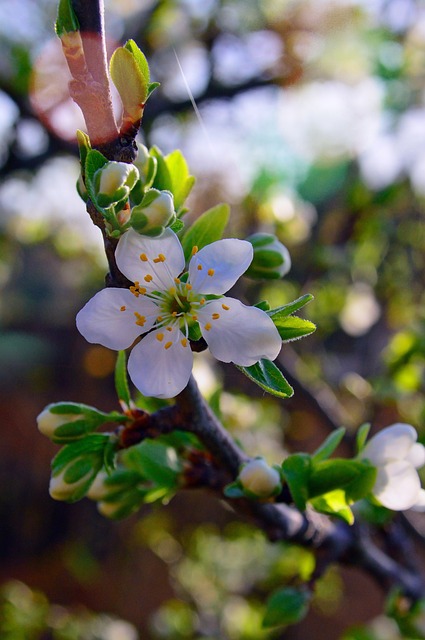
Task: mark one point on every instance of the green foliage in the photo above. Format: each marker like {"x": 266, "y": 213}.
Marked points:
{"x": 208, "y": 228}
{"x": 121, "y": 379}
{"x": 286, "y": 606}
{"x": 296, "y": 471}
{"x": 329, "y": 445}
{"x": 172, "y": 174}
{"x": 290, "y": 327}
{"x": 129, "y": 78}
{"x": 267, "y": 376}
{"x": 66, "y": 20}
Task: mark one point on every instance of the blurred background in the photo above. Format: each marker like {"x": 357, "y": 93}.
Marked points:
{"x": 312, "y": 126}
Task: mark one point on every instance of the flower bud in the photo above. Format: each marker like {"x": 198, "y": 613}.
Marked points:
{"x": 271, "y": 258}
{"x": 154, "y": 213}
{"x": 259, "y": 479}
{"x": 71, "y": 483}
{"x": 146, "y": 164}
{"x": 69, "y": 421}
{"x": 117, "y": 494}
{"x": 49, "y": 422}
{"x": 114, "y": 181}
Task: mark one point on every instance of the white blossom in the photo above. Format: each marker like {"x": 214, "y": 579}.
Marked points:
{"x": 258, "y": 478}
{"x": 397, "y": 456}
{"x": 164, "y": 305}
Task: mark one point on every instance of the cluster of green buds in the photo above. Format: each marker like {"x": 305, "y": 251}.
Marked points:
{"x": 271, "y": 258}
{"x": 118, "y": 494}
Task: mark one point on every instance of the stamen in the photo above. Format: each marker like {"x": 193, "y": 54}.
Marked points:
{"x": 184, "y": 342}
{"x": 194, "y": 250}
{"x": 140, "y": 319}
{"x": 160, "y": 337}
{"x": 123, "y": 308}
{"x": 194, "y": 317}
{"x": 207, "y": 326}
{"x": 167, "y": 345}
{"x": 172, "y": 291}
{"x": 135, "y": 291}
{"x": 160, "y": 258}
{"x": 148, "y": 277}
{"x": 202, "y": 301}
{"x": 188, "y": 286}
{"x": 225, "y": 307}
{"x": 215, "y": 316}
{"x": 169, "y": 328}
{"x": 210, "y": 272}
{"x": 177, "y": 280}
{"x": 159, "y": 319}
{"x": 143, "y": 257}
{"x": 199, "y": 267}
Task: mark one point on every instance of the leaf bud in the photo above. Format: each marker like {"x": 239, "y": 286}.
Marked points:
{"x": 271, "y": 258}
{"x": 154, "y": 213}
{"x": 259, "y": 479}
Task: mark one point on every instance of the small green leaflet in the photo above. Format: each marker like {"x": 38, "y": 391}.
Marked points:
{"x": 66, "y": 20}
{"x": 208, "y": 228}
{"x": 155, "y": 461}
{"x": 266, "y": 374}
{"x": 121, "y": 380}
{"x": 291, "y": 327}
{"x": 286, "y": 606}
{"x": 327, "y": 448}
{"x": 296, "y": 471}
{"x": 130, "y": 81}
{"x": 172, "y": 174}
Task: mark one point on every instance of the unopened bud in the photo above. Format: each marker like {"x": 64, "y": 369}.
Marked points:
{"x": 114, "y": 181}
{"x": 154, "y": 213}
{"x": 258, "y": 478}
{"x": 271, "y": 258}
{"x": 49, "y": 422}
{"x": 72, "y": 482}
{"x": 69, "y": 421}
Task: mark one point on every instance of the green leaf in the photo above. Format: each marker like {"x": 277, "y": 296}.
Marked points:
{"x": 292, "y": 327}
{"x": 334, "y": 503}
{"x": 266, "y": 374}
{"x": 92, "y": 444}
{"x": 208, "y": 228}
{"x": 286, "y": 606}
{"x": 66, "y": 20}
{"x": 94, "y": 161}
{"x": 155, "y": 461}
{"x": 327, "y": 448}
{"x": 140, "y": 60}
{"x": 181, "y": 181}
{"x": 296, "y": 471}
{"x": 162, "y": 180}
{"x": 292, "y": 307}
{"x": 121, "y": 380}
{"x": 177, "y": 225}
{"x": 362, "y": 435}
{"x": 356, "y": 478}
{"x": 130, "y": 81}
{"x": 84, "y": 146}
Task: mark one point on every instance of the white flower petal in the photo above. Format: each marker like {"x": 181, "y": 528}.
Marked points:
{"x": 420, "y": 502}
{"x": 109, "y": 318}
{"x": 216, "y": 267}
{"x": 397, "y": 485}
{"x": 154, "y": 262}
{"x": 392, "y": 443}
{"x": 416, "y": 455}
{"x": 237, "y": 333}
{"x": 161, "y": 364}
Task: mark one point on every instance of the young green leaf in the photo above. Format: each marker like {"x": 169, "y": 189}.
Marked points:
{"x": 291, "y": 307}
{"x": 286, "y": 606}
{"x": 327, "y": 448}
{"x": 94, "y": 161}
{"x": 362, "y": 435}
{"x": 296, "y": 471}
{"x": 292, "y": 327}
{"x": 121, "y": 380}
{"x": 266, "y": 374}
{"x": 130, "y": 81}
{"x": 356, "y": 478}
{"x": 208, "y": 228}
{"x": 140, "y": 59}
{"x": 155, "y": 461}
{"x": 334, "y": 503}
{"x": 181, "y": 181}
{"x": 66, "y": 20}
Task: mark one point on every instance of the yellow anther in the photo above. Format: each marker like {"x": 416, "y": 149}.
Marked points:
{"x": 160, "y": 258}
{"x": 210, "y": 272}
{"x": 123, "y": 308}
{"x": 169, "y": 328}
{"x": 135, "y": 291}
{"x": 225, "y": 307}
{"x": 194, "y": 318}
{"x": 175, "y": 314}
{"x": 148, "y": 277}
{"x": 199, "y": 267}
{"x": 160, "y": 337}
{"x": 142, "y": 290}
{"x": 215, "y": 316}
{"x": 167, "y": 345}
{"x": 159, "y": 319}
{"x": 194, "y": 250}
{"x": 140, "y": 320}
{"x": 188, "y": 287}
{"x": 202, "y": 301}
{"x": 143, "y": 257}
{"x": 184, "y": 342}
{"x": 177, "y": 280}
{"x": 172, "y": 291}
{"x": 207, "y": 326}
